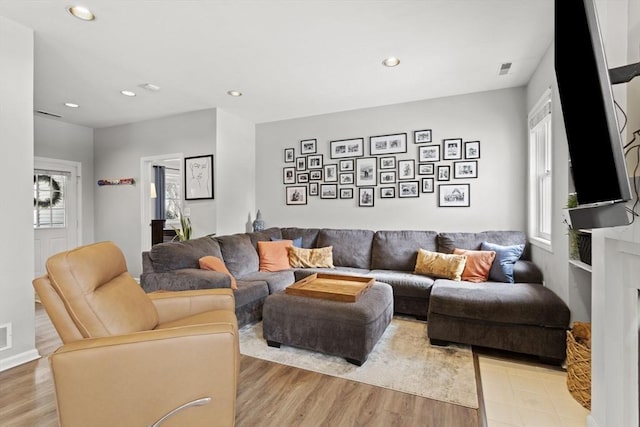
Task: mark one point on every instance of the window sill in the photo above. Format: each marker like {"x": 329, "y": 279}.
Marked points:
{"x": 541, "y": 243}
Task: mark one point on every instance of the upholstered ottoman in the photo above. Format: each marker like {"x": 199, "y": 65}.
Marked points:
{"x": 521, "y": 317}
{"x": 345, "y": 329}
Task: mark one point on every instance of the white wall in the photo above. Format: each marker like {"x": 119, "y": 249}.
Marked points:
{"x": 497, "y": 119}
{"x": 64, "y": 141}
{"x": 235, "y": 173}
{"x": 16, "y": 253}
{"x": 118, "y": 151}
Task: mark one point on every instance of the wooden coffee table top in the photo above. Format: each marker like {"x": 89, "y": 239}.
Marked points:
{"x": 333, "y": 287}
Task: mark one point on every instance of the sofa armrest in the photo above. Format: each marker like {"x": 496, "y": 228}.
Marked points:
{"x": 527, "y": 272}
{"x": 136, "y": 379}
{"x": 184, "y": 279}
{"x": 176, "y": 305}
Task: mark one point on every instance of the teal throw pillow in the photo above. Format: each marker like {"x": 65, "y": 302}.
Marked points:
{"x": 297, "y": 242}
{"x": 506, "y": 257}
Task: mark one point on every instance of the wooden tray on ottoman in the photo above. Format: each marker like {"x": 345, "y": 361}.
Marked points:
{"x": 333, "y": 287}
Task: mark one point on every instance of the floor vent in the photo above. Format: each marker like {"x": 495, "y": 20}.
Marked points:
{"x": 5, "y": 336}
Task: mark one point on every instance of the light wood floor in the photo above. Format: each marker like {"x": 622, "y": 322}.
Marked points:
{"x": 269, "y": 394}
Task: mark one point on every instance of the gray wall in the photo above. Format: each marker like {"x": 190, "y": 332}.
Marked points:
{"x": 498, "y": 196}
{"x": 64, "y": 141}
{"x": 16, "y": 131}
{"x": 118, "y": 151}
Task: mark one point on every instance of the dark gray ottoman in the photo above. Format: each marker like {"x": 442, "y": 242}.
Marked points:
{"x": 345, "y": 329}
{"x": 521, "y": 317}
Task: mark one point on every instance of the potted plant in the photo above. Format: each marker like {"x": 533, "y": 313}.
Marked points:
{"x": 184, "y": 232}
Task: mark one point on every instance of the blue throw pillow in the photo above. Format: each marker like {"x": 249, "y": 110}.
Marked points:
{"x": 297, "y": 242}
{"x": 506, "y": 257}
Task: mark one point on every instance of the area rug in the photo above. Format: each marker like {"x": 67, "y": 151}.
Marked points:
{"x": 403, "y": 360}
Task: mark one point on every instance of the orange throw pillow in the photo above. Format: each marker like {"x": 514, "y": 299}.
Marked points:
{"x": 214, "y": 263}
{"x": 274, "y": 256}
{"x": 478, "y": 264}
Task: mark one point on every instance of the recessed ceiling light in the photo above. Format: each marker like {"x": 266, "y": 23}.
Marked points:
{"x": 234, "y": 93}
{"x": 82, "y": 12}
{"x": 150, "y": 86}
{"x": 391, "y": 61}
{"x": 127, "y": 93}
{"x": 71, "y": 105}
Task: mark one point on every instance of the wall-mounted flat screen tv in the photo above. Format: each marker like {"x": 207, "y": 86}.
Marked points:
{"x": 595, "y": 145}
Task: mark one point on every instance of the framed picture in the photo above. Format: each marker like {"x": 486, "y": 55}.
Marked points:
{"x": 346, "y": 193}
{"x": 425, "y": 169}
{"x": 388, "y": 144}
{"x": 452, "y": 149}
{"x": 289, "y": 175}
{"x": 443, "y": 173}
{"x": 328, "y": 191}
{"x": 331, "y": 173}
{"x": 387, "y": 192}
{"x": 408, "y": 189}
{"x": 427, "y": 185}
{"x": 366, "y": 171}
{"x": 347, "y": 165}
{"x": 296, "y": 195}
{"x": 421, "y": 136}
{"x": 288, "y": 155}
{"x": 346, "y": 148}
{"x": 315, "y": 175}
{"x": 472, "y": 150}
{"x": 453, "y": 195}
{"x": 388, "y": 162}
{"x": 406, "y": 169}
{"x": 308, "y": 146}
{"x": 302, "y": 178}
{"x": 466, "y": 169}
{"x": 387, "y": 177}
{"x": 346, "y": 178}
{"x": 313, "y": 188}
{"x": 366, "y": 196}
{"x": 198, "y": 177}
{"x": 301, "y": 163}
{"x": 314, "y": 161}
{"x": 429, "y": 153}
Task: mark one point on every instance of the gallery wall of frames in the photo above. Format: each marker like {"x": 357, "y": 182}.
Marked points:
{"x": 384, "y": 166}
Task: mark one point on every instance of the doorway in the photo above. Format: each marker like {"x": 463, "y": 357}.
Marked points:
{"x": 57, "y": 205}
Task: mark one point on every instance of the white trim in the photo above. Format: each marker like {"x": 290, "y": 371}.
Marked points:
{"x": 18, "y": 359}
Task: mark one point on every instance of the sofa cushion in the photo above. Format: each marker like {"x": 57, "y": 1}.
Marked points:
{"x": 520, "y": 303}
{"x": 404, "y": 283}
{"x": 351, "y": 248}
{"x": 317, "y": 257}
{"x": 478, "y": 264}
{"x": 276, "y": 280}
{"x": 265, "y": 235}
{"x": 250, "y": 291}
{"x": 447, "y": 242}
{"x": 437, "y": 264}
{"x": 274, "y": 256}
{"x": 506, "y": 258}
{"x": 214, "y": 263}
{"x": 398, "y": 250}
{"x": 238, "y": 253}
{"x": 176, "y": 255}
{"x": 309, "y": 235}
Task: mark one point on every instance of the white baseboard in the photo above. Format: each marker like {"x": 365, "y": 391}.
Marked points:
{"x": 18, "y": 359}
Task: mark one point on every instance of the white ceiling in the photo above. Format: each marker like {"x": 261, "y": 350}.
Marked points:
{"x": 290, "y": 58}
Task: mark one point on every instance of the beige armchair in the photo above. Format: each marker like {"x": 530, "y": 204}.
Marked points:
{"x": 136, "y": 359}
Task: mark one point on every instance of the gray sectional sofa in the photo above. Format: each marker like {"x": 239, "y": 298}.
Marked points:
{"x": 522, "y": 317}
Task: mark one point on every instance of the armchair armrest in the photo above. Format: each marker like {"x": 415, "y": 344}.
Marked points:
{"x": 176, "y": 305}
{"x": 138, "y": 378}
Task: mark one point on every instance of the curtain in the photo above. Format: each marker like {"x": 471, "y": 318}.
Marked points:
{"x": 160, "y": 191}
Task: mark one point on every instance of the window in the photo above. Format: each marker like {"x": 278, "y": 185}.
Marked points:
{"x": 540, "y": 171}
{"x": 49, "y": 199}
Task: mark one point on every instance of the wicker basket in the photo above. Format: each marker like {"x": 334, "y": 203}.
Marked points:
{"x": 579, "y": 364}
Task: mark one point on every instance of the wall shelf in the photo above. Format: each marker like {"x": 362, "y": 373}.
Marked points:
{"x": 581, "y": 265}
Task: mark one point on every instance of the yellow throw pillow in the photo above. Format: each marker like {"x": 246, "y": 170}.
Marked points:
{"x": 437, "y": 264}
{"x": 478, "y": 264}
{"x": 216, "y": 264}
{"x": 318, "y": 257}
{"x": 273, "y": 255}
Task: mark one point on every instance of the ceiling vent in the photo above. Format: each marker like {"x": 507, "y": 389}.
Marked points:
{"x": 46, "y": 113}
{"x": 504, "y": 68}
